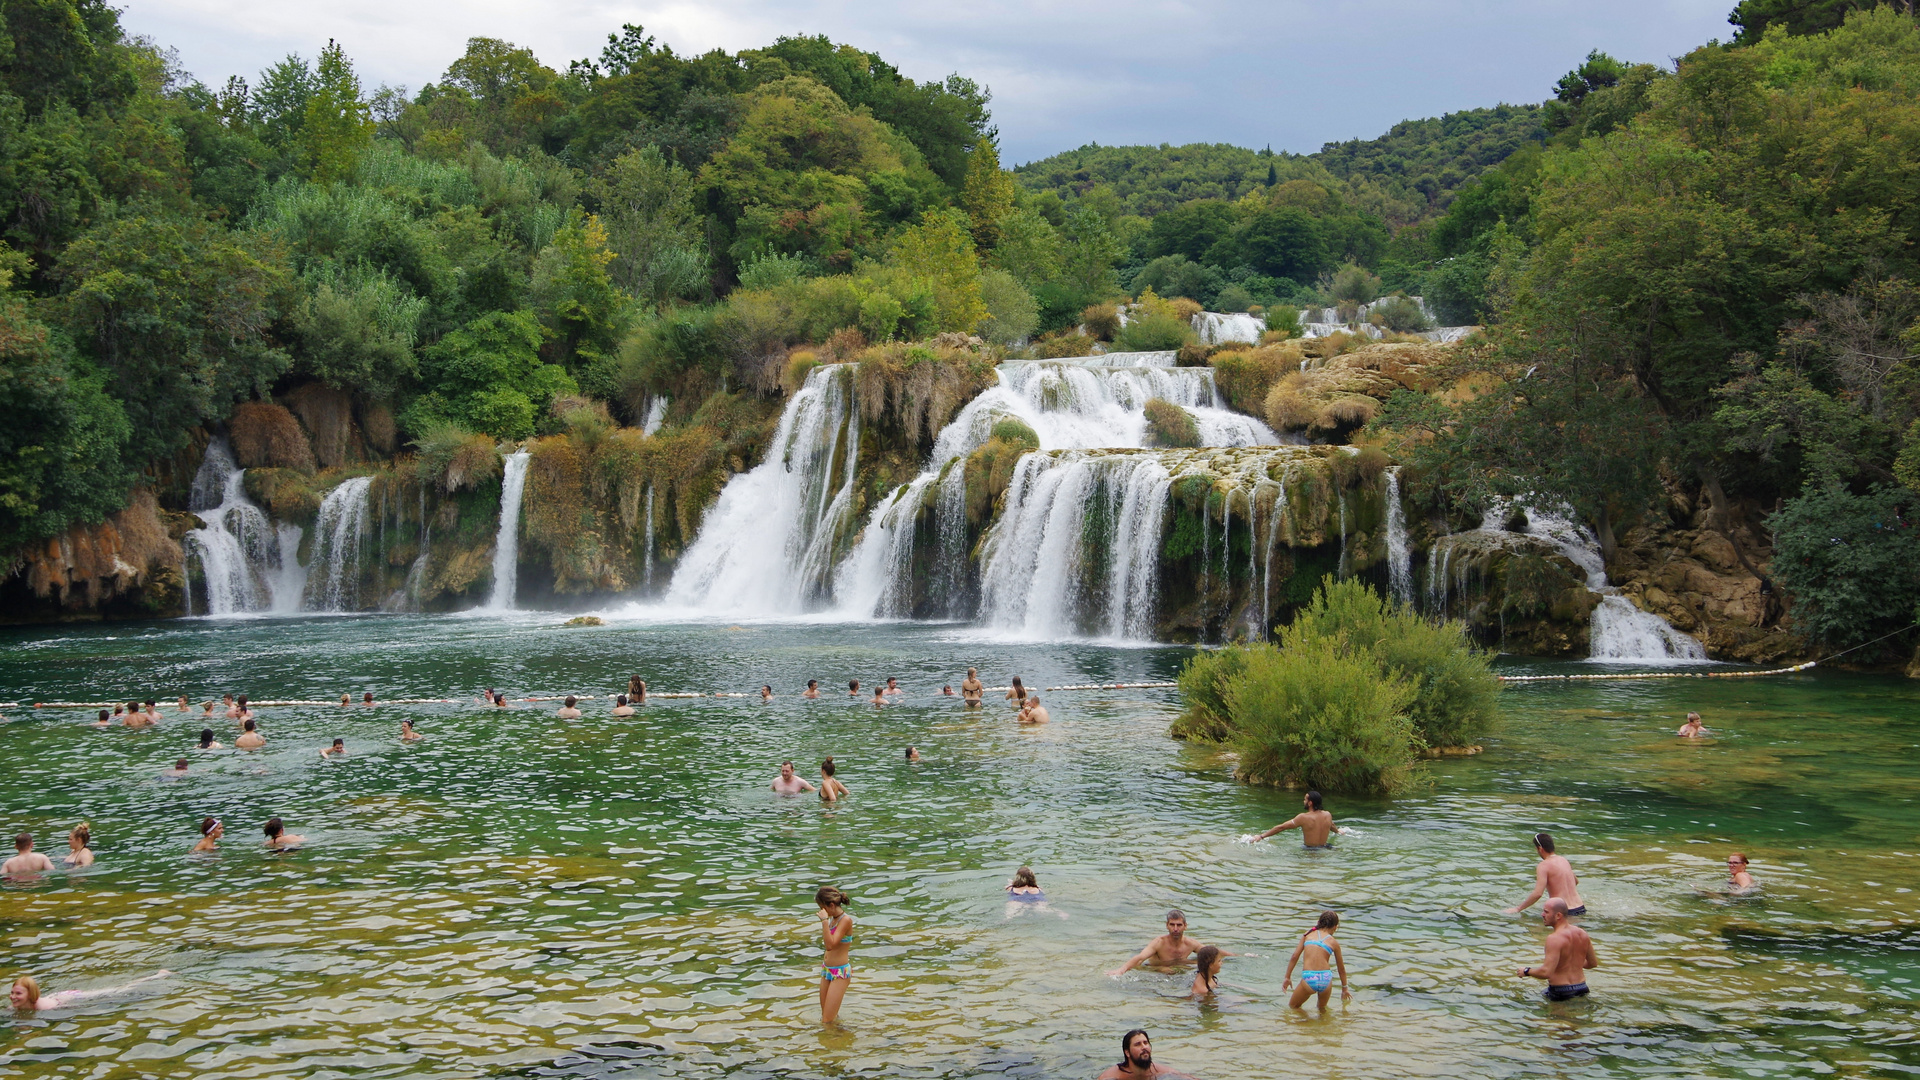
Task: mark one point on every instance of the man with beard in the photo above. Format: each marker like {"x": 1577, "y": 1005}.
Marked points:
{"x": 1136, "y": 1060}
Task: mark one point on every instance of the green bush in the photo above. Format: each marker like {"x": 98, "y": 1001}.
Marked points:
{"x": 1401, "y": 315}
{"x": 1285, "y": 317}
{"x": 1170, "y": 425}
{"x": 1148, "y": 331}
{"x": 1204, "y": 683}
{"x": 1318, "y": 715}
{"x": 1851, "y": 564}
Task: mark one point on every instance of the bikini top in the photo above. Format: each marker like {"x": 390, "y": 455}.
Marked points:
{"x": 845, "y": 940}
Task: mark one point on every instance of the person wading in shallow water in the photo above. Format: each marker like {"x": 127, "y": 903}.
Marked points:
{"x": 1315, "y": 824}
{"x": 836, "y": 967}
{"x": 971, "y": 688}
{"x": 1554, "y": 876}
{"x": 1569, "y": 953}
{"x": 1136, "y": 1060}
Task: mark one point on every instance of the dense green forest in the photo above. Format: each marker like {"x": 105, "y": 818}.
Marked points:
{"x": 1697, "y": 277}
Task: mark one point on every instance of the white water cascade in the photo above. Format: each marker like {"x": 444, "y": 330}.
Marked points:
{"x": 1069, "y": 406}
{"x": 246, "y": 564}
{"x": 1218, "y": 327}
{"x": 767, "y": 546}
{"x": 1399, "y": 559}
{"x": 506, "y": 544}
{"x": 1619, "y": 631}
{"x": 333, "y": 567}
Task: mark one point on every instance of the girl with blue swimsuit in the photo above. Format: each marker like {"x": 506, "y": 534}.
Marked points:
{"x": 836, "y": 968}
{"x": 1318, "y": 980}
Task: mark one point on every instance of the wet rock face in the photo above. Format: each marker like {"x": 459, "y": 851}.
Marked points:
{"x": 1692, "y": 577}
{"x": 128, "y": 565}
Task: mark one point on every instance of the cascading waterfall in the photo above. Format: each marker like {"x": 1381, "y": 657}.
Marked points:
{"x": 1619, "y": 631}
{"x": 333, "y": 568}
{"x": 768, "y": 544}
{"x": 1218, "y": 328}
{"x": 1399, "y": 559}
{"x": 646, "y": 579}
{"x": 246, "y": 564}
{"x": 506, "y": 544}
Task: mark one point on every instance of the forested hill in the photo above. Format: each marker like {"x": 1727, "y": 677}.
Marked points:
{"x": 1404, "y": 176}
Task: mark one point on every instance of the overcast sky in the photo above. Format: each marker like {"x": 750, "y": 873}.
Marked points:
{"x": 1285, "y": 73}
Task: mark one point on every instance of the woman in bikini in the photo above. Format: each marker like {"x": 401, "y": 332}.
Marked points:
{"x": 1318, "y": 980}
{"x": 1017, "y": 693}
{"x": 836, "y": 969}
{"x": 831, "y": 790}
{"x": 1206, "y": 974}
{"x": 77, "y": 841}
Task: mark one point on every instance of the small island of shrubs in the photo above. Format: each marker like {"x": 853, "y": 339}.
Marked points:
{"x": 1357, "y": 689}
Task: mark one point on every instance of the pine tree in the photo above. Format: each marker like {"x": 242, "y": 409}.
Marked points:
{"x": 339, "y": 125}
{"x": 987, "y": 194}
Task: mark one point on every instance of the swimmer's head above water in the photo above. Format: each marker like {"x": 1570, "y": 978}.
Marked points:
{"x": 25, "y": 993}
{"x": 826, "y": 767}
{"x": 206, "y": 738}
{"x": 211, "y": 827}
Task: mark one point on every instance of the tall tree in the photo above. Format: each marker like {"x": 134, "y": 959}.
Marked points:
{"x": 987, "y": 195}
{"x": 338, "y": 124}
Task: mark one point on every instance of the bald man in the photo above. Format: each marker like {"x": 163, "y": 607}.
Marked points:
{"x": 1569, "y": 954}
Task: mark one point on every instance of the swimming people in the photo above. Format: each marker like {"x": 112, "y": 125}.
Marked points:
{"x": 206, "y": 712}
{"x": 1017, "y": 693}
{"x": 499, "y": 701}
{"x": 233, "y": 710}
{"x": 1554, "y": 876}
{"x": 135, "y": 718}
{"x": 26, "y": 996}
{"x": 1206, "y": 974}
{"x": 971, "y": 688}
{"x": 1034, "y": 713}
{"x": 1025, "y": 887}
{"x": 104, "y": 719}
{"x": 207, "y": 741}
{"x": 766, "y": 694}
{"x": 178, "y": 772}
{"x": 913, "y": 754}
{"x": 1136, "y": 1060}
{"x": 947, "y": 690}
{"x": 1569, "y": 953}
{"x": 338, "y": 749}
{"x": 184, "y": 707}
{"x": 346, "y": 700}
{"x": 27, "y": 862}
{"x": 1172, "y": 947}
{"x": 836, "y": 967}
{"x": 1738, "y": 880}
{"x": 620, "y": 706}
{"x": 636, "y": 690}
{"x": 246, "y": 713}
{"x": 831, "y": 790}
{"x": 278, "y": 837}
{"x": 1318, "y": 980}
{"x": 569, "y": 709}
{"x": 879, "y": 697}
{"x": 79, "y": 854}
{"x": 1315, "y": 824}
{"x": 153, "y": 711}
{"x": 407, "y": 734}
{"x": 1692, "y": 729}
{"x": 366, "y": 699}
{"x": 813, "y": 689}
{"x": 250, "y": 737}
{"x": 787, "y": 783}
{"x": 210, "y": 832}
{"x": 853, "y": 687}
{"x": 893, "y": 687}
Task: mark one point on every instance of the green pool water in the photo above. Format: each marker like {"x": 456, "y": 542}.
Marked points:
{"x": 523, "y": 896}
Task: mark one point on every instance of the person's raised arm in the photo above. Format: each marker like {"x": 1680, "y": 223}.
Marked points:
{"x": 1340, "y": 962}
{"x": 1539, "y": 886}
{"x": 1291, "y": 823}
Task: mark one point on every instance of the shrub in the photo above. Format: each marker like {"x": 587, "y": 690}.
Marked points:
{"x": 452, "y": 458}
{"x": 1353, "y": 284}
{"x": 1011, "y": 311}
{"x": 1246, "y": 376}
{"x": 1317, "y": 715}
{"x": 1204, "y": 683}
{"x": 1850, "y": 562}
{"x": 799, "y": 364}
{"x": 265, "y": 435}
{"x": 1170, "y": 425}
{"x": 1287, "y": 408}
{"x": 1064, "y": 344}
{"x": 1284, "y": 319}
{"x": 1234, "y": 298}
{"x": 1101, "y": 322}
{"x": 1152, "y": 332}
{"x": 1401, "y": 315}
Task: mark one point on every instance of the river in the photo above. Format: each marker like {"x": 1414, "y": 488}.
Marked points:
{"x": 524, "y": 896}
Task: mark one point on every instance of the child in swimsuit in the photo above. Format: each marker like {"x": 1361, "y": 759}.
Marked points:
{"x": 1318, "y": 980}
{"x": 836, "y": 968}
{"x": 1207, "y": 970}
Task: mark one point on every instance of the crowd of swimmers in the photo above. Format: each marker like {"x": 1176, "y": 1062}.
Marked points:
{"x": 1568, "y": 951}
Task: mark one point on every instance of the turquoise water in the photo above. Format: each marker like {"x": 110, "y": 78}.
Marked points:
{"x": 523, "y": 896}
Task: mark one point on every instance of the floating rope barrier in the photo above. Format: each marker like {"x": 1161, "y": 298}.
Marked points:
{"x": 1114, "y": 686}
{"x": 1661, "y": 674}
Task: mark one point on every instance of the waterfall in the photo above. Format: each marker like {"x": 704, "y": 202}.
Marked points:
{"x": 1218, "y": 328}
{"x": 1042, "y": 577}
{"x": 656, "y": 414}
{"x": 506, "y": 544}
{"x": 646, "y": 578}
{"x": 333, "y": 567}
{"x": 768, "y": 544}
{"x": 247, "y": 565}
{"x": 1618, "y": 631}
{"x": 1399, "y": 559}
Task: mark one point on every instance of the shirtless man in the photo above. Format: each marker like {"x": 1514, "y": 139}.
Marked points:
{"x": 1034, "y": 713}
{"x": 135, "y": 718}
{"x": 972, "y": 688}
{"x": 569, "y": 709}
{"x": 879, "y": 697}
{"x": 1554, "y": 877}
{"x": 1692, "y": 729}
{"x": 1315, "y": 824}
{"x": 102, "y": 722}
{"x": 178, "y": 772}
{"x": 893, "y": 688}
{"x": 1172, "y": 947}
{"x": 153, "y": 712}
{"x": 338, "y": 749}
{"x": 28, "y": 862}
{"x": 853, "y": 688}
{"x": 1569, "y": 954}
{"x": 233, "y": 711}
{"x": 947, "y": 690}
{"x": 787, "y": 783}
{"x": 246, "y": 711}
{"x": 813, "y": 690}
{"x": 250, "y": 738}
{"x": 766, "y": 694}
{"x": 278, "y": 837}
{"x": 184, "y": 707}
{"x": 620, "y": 706}
{"x": 366, "y": 699}
{"x": 1136, "y": 1060}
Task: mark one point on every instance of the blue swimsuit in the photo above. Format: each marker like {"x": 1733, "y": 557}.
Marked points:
{"x": 1319, "y": 981}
